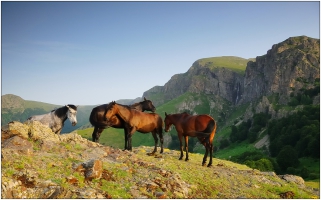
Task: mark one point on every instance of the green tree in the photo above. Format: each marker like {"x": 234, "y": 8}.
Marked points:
{"x": 304, "y": 173}
{"x": 264, "y": 165}
{"x": 233, "y": 136}
{"x": 224, "y": 143}
{"x": 288, "y": 157}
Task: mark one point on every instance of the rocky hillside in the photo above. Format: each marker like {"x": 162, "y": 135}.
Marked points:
{"x": 36, "y": 163}
{"x": 288, "y": 67}
{"x": 218, "y": 76}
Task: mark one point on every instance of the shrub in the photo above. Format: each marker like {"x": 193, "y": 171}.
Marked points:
{"x": 288, "y": 157}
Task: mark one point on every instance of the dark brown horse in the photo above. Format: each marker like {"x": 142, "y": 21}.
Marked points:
{"x": 98, "y": 120}
{"x": 137, "y": 121}
{"x": 201, "y": 126}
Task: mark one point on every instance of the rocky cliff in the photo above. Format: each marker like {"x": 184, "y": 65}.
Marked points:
{"x": 209, "y": 76}
{"x": 36, "y": 163}
{"x": 288, "y": 67}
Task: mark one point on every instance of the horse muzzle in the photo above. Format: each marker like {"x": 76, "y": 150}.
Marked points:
{"x": 73, "y": 123}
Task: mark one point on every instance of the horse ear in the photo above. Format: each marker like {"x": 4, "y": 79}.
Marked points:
{"x": 165, "y": 114}
{"x": 145, "y": 99}
{"x": 67, "y": 106}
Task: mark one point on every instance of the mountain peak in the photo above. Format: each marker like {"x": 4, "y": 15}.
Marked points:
{"x": 11, "y": 101}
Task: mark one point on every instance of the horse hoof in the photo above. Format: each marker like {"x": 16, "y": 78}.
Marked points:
{"x": 209, "y": 165}
{"x": 203, "y": 164}
{"x": 180, "y": 159}
{"x": 186, "y": 159}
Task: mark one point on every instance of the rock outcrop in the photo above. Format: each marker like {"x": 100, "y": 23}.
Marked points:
{"x": 289, "y": 66}
{"x": 38, "y": 143}
{"x": 36, "y": 163}
{"x": 217, "y": 81}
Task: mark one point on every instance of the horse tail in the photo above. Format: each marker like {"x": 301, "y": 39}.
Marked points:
{"x": 91, "y": 117}
{"x": 210, "y": 126}
{"x": 213, "y": 125}
{"x": 161, "y": 124}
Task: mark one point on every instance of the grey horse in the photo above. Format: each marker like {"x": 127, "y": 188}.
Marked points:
{"x": 56, "y": 118}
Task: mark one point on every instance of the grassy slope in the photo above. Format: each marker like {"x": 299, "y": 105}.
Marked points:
{"x": 223, "y": 180}
{"x": 115, "y": 137}
{"x": 236, "y": 64}
{"x": 35, "y": 104}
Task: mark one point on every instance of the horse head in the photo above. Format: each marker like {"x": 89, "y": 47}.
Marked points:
{"x": 168, "y": 122}
{"x": 147, "y": 105}
{"x": 71, "y": 114}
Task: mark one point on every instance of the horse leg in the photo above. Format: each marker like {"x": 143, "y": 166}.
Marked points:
{"x": 156, "y": 141}
{"x": 100, "y": 130}
{"x": 130, "y": 147}
{"x": 211, "y": 154}
{"x": 131, "y": 131}
{"x": 94, "y": 135}
{"x": 206, "y": 152}
{"x": 180, "y": 146}
{"x": 161, "y": 140}
{"x": 186, "y": 147}
{"x": 126, "y": 138}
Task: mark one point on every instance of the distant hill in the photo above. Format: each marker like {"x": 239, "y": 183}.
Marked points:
{"x": 217, "y": 76}
{"x": 14, "y": 108}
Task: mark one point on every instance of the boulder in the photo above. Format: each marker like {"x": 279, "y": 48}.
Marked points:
{"x": 92, "y": 169}
{"x": 16, "y": 144}
{"x": 14, "y": 128}
{"x": 293, "y": 179}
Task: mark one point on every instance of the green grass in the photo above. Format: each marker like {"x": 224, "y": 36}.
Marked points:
{"x": 171, "y": 107}
{"x": 313, "y": 166}
{"x": 235, "y": 149}
{"x": 224, "y": 179}
{"x": 313, "y": 184}
{"x": 115, "y": 137}
{"x": 233, "y": 63}
{"x": 111, "y": 136}
{"x": 35, "y": 104}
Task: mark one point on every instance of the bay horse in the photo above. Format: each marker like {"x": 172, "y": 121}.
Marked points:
{"x": 57, "y": 117}
{"x": 135, "y": 120}
{"x": 201, "y": 126}
{"x": 98, "y": 120}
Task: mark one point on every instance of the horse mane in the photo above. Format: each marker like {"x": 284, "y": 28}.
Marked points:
{"x": 60, "y": 112}
{"x": 126, "y": 106}
{"x": 113, "y": 103}
{"x": 135, "y": 104}
{"x": 72, "y": 106}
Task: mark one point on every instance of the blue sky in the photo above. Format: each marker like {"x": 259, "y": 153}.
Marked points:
{"x": 89, "y": 53}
